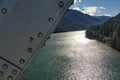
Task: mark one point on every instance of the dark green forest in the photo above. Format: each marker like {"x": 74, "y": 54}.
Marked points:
{"x": 108, "y": 32}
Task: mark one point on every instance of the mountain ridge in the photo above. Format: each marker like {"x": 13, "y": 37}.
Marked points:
{"x": 75, "y": 20}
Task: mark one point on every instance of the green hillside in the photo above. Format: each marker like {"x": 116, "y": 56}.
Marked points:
{"x": 109, "y": 32}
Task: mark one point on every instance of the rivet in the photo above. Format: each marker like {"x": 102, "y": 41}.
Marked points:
{"x": 29, "y": 50}
{"x": 31, "y": 38}
{"x": 40, "y": 35}
{"x": 61, "y": 4}
{"x": 50, "y": 19}
{"x": 1, "y": 73}
{"x": 22, "y": 61}
{"x": 14, "y": 72}
{"x": 10, "y": 78}
{"x": 4, "y": 10}
{"x": 5, "y": 66}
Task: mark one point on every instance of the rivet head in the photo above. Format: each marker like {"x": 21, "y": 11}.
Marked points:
{"x": 10, "y": 78}
{"x": 14, "y": 72}
{"x": 50, "y": 19}
{"x": 40, "y": 35}
{"x": 30, "y": 50}
{"x": 1, "y": 73}
{"x": 5, "y": 66}
{"x": 61, "y": 4}
{"x": 3, "y": 10}
{"x": 22, "y": 61}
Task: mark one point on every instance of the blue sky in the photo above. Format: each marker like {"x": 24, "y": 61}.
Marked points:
{"x": 97, "y": 7}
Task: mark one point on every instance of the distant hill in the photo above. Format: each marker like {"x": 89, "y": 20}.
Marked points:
{"x": 102, "y": 19}
{"x": 109, "y": 32}
{"x": 76, "y": 20}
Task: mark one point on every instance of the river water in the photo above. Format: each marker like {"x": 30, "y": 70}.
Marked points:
{"x": 71, "y": 56}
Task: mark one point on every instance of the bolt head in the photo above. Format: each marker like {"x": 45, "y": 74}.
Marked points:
{"x": 5, "y": 66}
{"x": 61, "y": 4}
{"x": 50, "y": 19}
{"x": 30, "y": 50}
{"x": 1, "y": 73}
{"x": 40, "y": 35}
{"x": 10, "y": 78}
{"x": 3, "y": 10}
{"x": 14, "y": 72}
{"x": 22, "y": 61}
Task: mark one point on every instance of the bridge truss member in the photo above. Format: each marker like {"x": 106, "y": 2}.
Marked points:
{"x": 25, "y": 25}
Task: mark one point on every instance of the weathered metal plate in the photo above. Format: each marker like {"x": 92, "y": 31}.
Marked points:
{"x": 8, "y": 71}
{"x": 25, "y": 25}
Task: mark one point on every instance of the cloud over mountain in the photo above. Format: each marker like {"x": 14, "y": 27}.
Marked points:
{"x": 92, "y": 10}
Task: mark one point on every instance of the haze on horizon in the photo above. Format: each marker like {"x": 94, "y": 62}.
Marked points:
{"x": 97, "y": 7}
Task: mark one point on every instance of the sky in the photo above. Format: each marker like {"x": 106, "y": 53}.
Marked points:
{"x": 97, "y": 7}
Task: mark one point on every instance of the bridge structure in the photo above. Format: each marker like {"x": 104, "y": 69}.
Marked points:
{"x": 25, "y": 25}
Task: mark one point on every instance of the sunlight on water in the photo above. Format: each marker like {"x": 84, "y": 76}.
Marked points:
{"x": 71, "y": 56}
{"x": 80, "y": 38}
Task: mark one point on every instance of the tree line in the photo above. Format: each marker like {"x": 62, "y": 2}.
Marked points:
{"x": 108, "y": 32}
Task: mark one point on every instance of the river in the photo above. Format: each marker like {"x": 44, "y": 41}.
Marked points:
{"x": 71, "y": 56}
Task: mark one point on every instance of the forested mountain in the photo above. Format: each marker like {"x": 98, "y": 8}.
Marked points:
{"x": 109, "y": 32}
{"x": 75, "y": 20}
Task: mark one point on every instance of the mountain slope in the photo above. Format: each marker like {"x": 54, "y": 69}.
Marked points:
{"x": 76, "y": 20}
{"x": 109, "y": 32}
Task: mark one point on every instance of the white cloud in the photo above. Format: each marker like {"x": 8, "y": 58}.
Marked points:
{"x": 90, "y": 10}
{"x": 107, "y": 14}
{"x": 99, "y": 11}
{"x": 76, "y": 8}
{"x": 77, "y": 1}
{"x": 102, "y": 7}
{"x": 93, "y": 10}
{"x": 76, "y": 4}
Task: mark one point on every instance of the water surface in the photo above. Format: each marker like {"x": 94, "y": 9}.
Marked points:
{"x": 71, "y": 56}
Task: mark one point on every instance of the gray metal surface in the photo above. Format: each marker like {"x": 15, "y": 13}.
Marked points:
{"x": 25, "y": 25}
